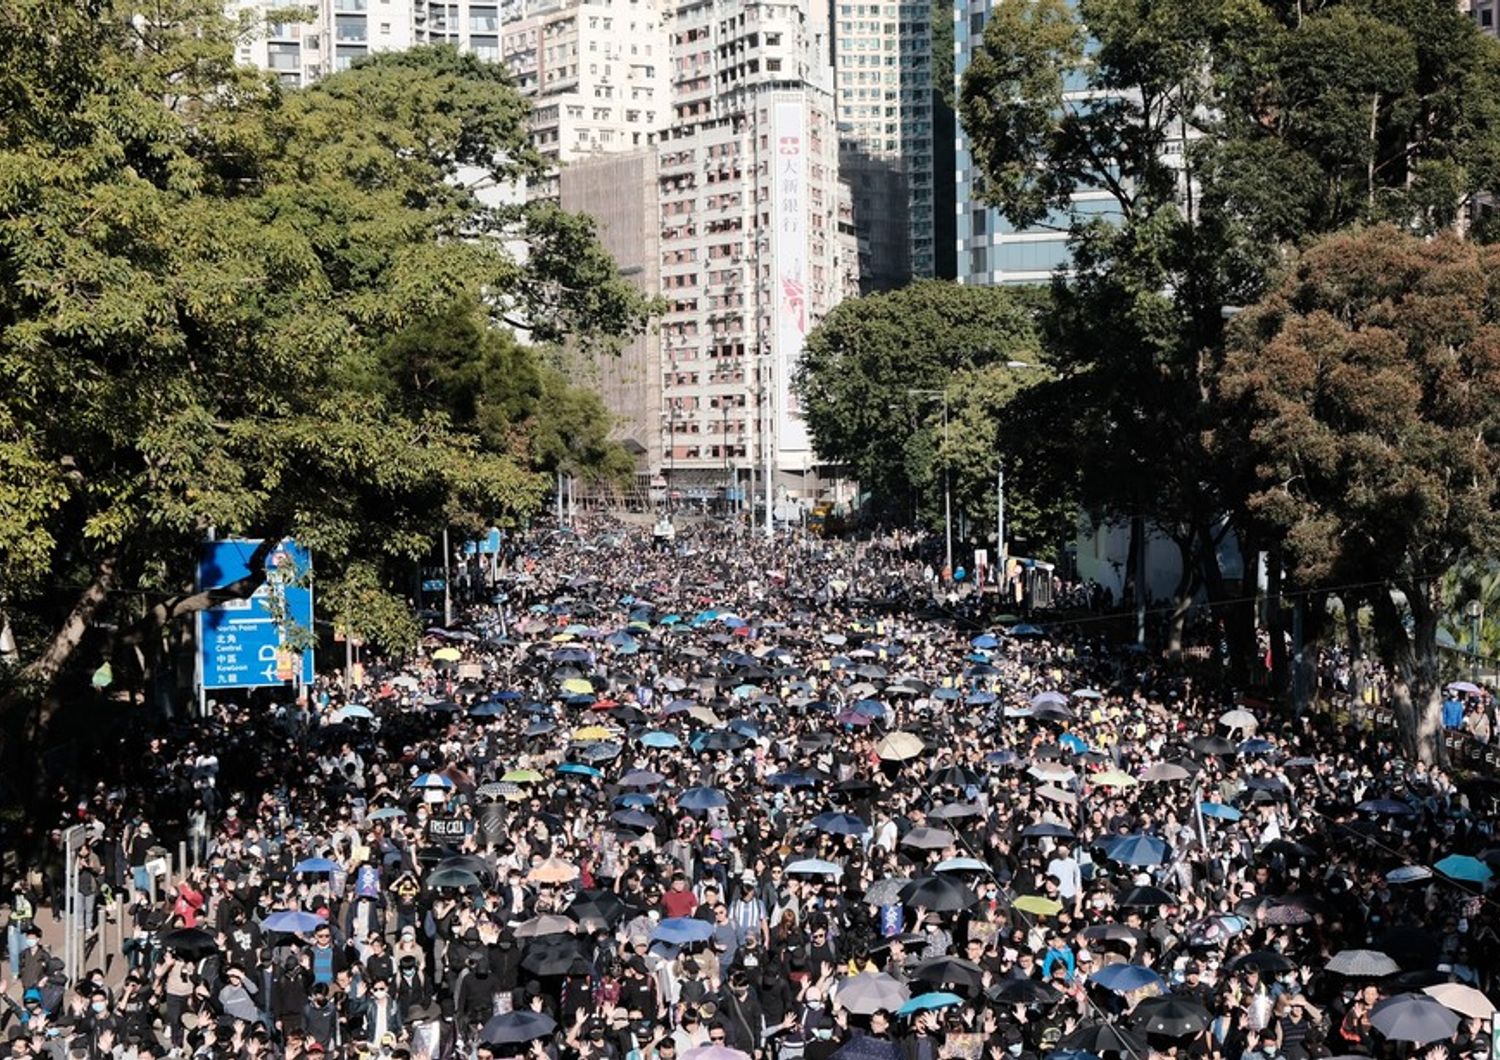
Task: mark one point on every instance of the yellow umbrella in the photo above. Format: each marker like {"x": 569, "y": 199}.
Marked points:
{"x": 554, "y": 870}
{"x": 447, "y": 655}
{"x": 900, "y": 746}
{"x": 1038, "y": 905}
{"x": 591, "y": 734}
{"x": 703, "y": 714}
{"x": 562, "y": 638}
{"x": 578, "y": 686}
{"x": 1113, "y": 778}
{"x": 522, "y": 776}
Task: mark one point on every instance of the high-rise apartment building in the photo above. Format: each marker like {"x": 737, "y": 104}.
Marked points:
{"x": 595, "y": 69}
{"x": 756, "y": 238}
{"x": 883, "y": 67}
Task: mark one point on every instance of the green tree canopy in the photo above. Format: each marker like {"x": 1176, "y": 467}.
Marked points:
{"x": 873, "y": 378}
{"x": 199, "y": 274}
{"x": 1361, "y": 398}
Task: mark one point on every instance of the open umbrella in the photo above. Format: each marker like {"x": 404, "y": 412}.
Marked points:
{"x": 1101, "y": 1038}
{"x": 514, "y": 1028}
{"x": 1165, "y": 773}
{"x": 819, "y": 867}
{"x": 594, "y": 909}
{"x": 1267, "y": 962}
{"x": 949, "y": 971}
{"x": 938, "y": 894}
{"x": 1038, "y": 905}
{"x": 1171, "y": 1017}
{"x": 191, "y": 943}
{"x": 1219, "y": 811}
{"x": 1418, "y": 1018}
{"x": 700, "y": 799}
{"x": 292, "y": 921}
{"x": 928, "y": 839}
{"x": 315, "y": 866}
{"x": 546, "y": 924}
{"x": 870, "y": 992}
{"x": 1361, "y": 964}
{"x": 888, "y": 891}
{"x": 1124, "y": 978}
{"x": 835, "y": 823}
{"x": 551, "y": 955}
{"x": 682, "y": 931}
{"x": 714, "y": 1052}
{"x": 900, "y": 746}
{"x": 1239, "y": 719}
{"x": 866, "y": 1047}
{"x": 1463, "y": 999}
{"x": 1464, "y": 868}
{"x": 1143, "y": 897}
{"x": 553, "y": 870}
{"x": 1138, "y": 850}
{"x": 1023, "y": 992}
{"x": 451, "y": 877}
{"x": 928, "y": 1002}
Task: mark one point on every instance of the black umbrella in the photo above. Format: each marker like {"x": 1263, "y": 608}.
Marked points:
{"x": 938, "y": 894}
{"x": 192, "y": 943}
{"x": 1211, "y": 745}
{"x": 551, "y": 955}
{"x": 512, "y": 1028}
{"x": 954, "y": 777}
{"x": 1267, "y": 962}
{"x": 1024, "y": 992}
{"x": 1171, "y": 1017}
{"x": 1099, "y": 1038}
{"x": 949, "y": 971}
{"x": 1411, "y": 947}
{"x": 1144, "y": 896}
{"x": 595, "y": 908}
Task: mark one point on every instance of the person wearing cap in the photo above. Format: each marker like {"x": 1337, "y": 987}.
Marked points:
{"x": 1192, "y": 987}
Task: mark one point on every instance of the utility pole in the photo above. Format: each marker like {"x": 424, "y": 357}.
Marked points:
{"x": 767, "y": 442}
{"x": 447, "y": 584}
{"x": 947, "y": 484}
{"x": 999, "y": 526}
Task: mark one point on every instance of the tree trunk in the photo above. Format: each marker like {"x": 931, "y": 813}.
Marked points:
{"x": 1182, "y": 594}
{"x": 1413, "y": 661}
{"x": 1236, "y": 610}
{"x": 1276, "y": 625}
{"x": 1311, "y": 625}
{"x": 1352, "y": 602}
{"x": 38, "y": 677}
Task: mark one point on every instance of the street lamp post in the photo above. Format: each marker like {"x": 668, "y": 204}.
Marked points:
{"x": 1000, "y": 496}
{"x": 1475, "y": 610}
{"x": 947, "y": 483}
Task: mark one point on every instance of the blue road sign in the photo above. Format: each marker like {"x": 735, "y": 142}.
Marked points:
{"x": 489, "y": 544}
{"x": 241, "y": 642}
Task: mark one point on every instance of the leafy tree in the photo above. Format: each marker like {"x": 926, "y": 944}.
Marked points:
{"x": 1220, "y": 134}
{"x": 199, "y": 272}
{"x": 860, "y": 372}
{"x": 1360, "y": 400}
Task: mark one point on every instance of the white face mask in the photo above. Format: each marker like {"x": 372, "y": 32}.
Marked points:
{"x": 1014, "y": 1048}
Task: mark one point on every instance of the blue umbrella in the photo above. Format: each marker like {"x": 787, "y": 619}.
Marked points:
{"x": 315, "y": 865}
{"x": 670, "y": 620}
{"x": 292, "y": 921}
{"x": 982, "y": 698}
{"x": 621, "y": 640}
{"x": 387, "y": 813}
{"x": 660, "y": 740}
{"x": 1219, "y": 810}
{"x": 510, "y": 695}
{"x": 1123, "y": 978}
{"x": 1137, "y": 850}
{"x": 928, "y": 1002}
{"x": 702, "y": 799}
{"x": 1255, "y": 746}
{"x": 948, "y": 695}
{"x": 870, "y": 708}
{"x": 488, "y": 709}
{"x": 633, "y": 819}
{"x": 432, "y": 781}
{"x": 835, "y": 823}
{"x": 744, "y": 728}
{"x": 635, "y": 800}
{"x": 682, "y": 930}
{"x": 790, "y": 780}
{"x": 985, "y": 640}
{"x": 1025, "y": 629}
{"x": 578, "y": 769}
{"x": 1073, "y": 742}
{"x": 1389, "y": 807}
{"x": 1003, "y": 757}
{"x": 355, "y": 710}
{"x": 1464, "y": 868}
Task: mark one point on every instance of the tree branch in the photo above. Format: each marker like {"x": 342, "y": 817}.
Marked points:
{"x": 158, "y": 616}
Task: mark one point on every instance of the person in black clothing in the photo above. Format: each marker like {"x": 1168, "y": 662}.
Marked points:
{"x": 741, "y": 1015}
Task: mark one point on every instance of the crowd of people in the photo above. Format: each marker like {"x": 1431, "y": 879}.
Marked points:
{"x": 733, "y": 799}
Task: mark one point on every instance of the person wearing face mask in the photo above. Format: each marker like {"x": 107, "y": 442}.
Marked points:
{"x": 742, "y": 1016}
{"x": 411, "y": 984}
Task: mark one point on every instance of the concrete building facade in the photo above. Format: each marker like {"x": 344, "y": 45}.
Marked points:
{"x": 883, "y": 73}
{"x": 756, "y": 239}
